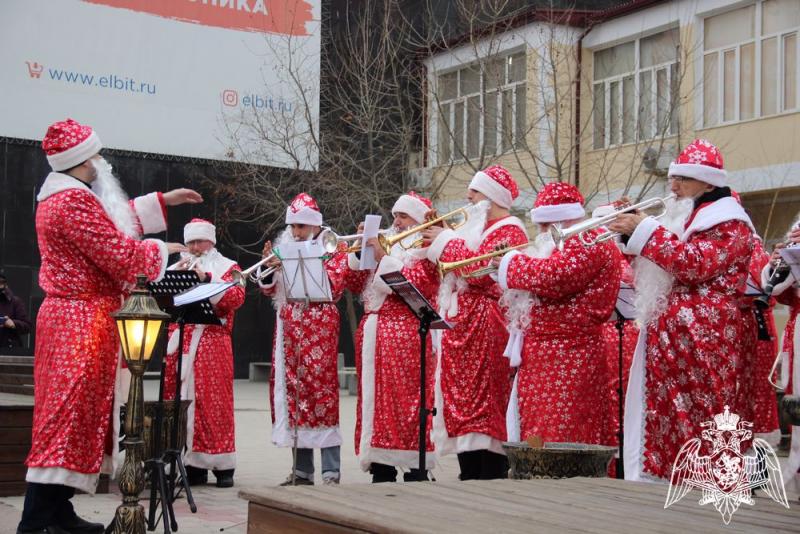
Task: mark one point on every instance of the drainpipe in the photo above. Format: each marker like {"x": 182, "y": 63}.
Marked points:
{"x": 578, "y": 105}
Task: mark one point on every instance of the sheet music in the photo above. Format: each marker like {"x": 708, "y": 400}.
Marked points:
{"x": 201, "y": 292}
{"x": 791, "y": 255}
{"x": 418, "y": 304}
{"x": 305, "y": 277}
{"x": 372, "y": 224}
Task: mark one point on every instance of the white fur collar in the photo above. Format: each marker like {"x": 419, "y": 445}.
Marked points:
{"x": 720, "y": 211}
{"x": 57, "y": 182}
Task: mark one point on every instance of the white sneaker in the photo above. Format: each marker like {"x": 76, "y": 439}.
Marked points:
{"x": 330, "y": 481}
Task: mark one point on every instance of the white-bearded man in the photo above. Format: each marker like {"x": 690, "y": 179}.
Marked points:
{"x": 207, "y": 365}
{"x": 388, "y": 356}
{"x": 562, "y": 383}
{"x": 88, "y": 237}
{"x": 688, "y": 359}
{"x": 473, "y": 379}
{"x": 304, "y": 382}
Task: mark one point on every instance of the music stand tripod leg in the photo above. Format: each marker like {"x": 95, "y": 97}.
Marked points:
{"x": 174, "y": 454}
{"x": 155, "y": 465}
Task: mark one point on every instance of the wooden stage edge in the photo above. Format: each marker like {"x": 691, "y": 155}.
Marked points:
{"x": 495, "y": 506}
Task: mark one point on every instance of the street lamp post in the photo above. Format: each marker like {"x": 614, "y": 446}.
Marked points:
{"x": 139, "y": 325}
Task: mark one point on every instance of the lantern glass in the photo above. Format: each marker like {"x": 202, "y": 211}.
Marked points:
{"x": 139, "y": 324}
{"x": 139, "y": 337}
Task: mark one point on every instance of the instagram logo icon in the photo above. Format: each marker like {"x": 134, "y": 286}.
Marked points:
{"x": 230, "y": 97}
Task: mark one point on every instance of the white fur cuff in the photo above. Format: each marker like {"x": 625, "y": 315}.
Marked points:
{"x": 779, "y": 288}
{"x": 437, "y": 247}
{"x": 353, "y": 263}
{"x": 150, "y": 213}
{"x": 641, "y": 236}
{"x": 502, "y": 271}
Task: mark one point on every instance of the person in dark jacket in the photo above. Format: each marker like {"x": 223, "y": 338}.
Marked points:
{"x": 14, "y": 322}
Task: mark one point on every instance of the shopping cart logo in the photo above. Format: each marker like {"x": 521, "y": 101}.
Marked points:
{"x": 726, "y": 477}
{"x": 34, "y": 69}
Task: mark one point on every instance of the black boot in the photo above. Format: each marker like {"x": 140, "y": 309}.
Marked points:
{"x": 382, "y": 473}
{"x": 67, "y": 519}
{"x": 224, "y": 478}
{"x": 196, "y": 476}
{"x": 413, "y": 476}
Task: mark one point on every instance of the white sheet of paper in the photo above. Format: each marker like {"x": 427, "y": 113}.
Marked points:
{"x": 372, "y": 224}
{"x": 201, "y": 292}
{"x": 791, "y": 255}
{"x": 305, "y": 277}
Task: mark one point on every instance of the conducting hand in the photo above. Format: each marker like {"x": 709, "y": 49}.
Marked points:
{"x": 176, "y": 197}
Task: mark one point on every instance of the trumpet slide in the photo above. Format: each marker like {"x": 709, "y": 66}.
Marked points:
{"x": 254, "y": 272}
{"x": 582, "y": 229}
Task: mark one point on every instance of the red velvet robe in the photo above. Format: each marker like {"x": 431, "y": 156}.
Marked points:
{"x": 688, "y": 358}
{"x": 563, "y": 379}
{"x": 207, "y": 380}
{"x": 473, "y": 381}
{"x": 87, "y": 265}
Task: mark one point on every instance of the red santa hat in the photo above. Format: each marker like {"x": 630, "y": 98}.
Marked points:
{"x": 69, "y": 143}
{"x": 557, "y": 202}
{"x": 497, "y": 184}
{"x": 303, "y": 210}
{"x": 414, "y": 205}
{"x": 199, "y": 229}
{"x": 702, "y": 161}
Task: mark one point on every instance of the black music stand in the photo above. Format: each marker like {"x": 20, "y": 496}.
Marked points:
{"x": 624, "y": 310}
{"x": 428, "y": 320}
{"x": 760, "y": 306}
{"x": 175, "y": 296}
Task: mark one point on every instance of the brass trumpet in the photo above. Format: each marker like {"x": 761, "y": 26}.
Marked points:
{"x": 582, "y": 229}
{"x": 446, "y": 267}
{"x": 387, "y": 243}
{"x": 330, "y": 240}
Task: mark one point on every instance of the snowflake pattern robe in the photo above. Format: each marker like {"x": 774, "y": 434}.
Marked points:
{"x": 788, "y": 293}
{"x": 87, "y": 264}
{"x": 687, "y": 359}
{"x": 304, "y": 380}
{"x": 388, "y": 367}
{"x": 756, "y": 396}
{"x": 473, "y": 378}
{"x": 563, "y": 379}
{"x": 207, "y": 379}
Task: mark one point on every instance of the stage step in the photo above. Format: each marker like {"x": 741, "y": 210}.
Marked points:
{"x": 16, "y": 374}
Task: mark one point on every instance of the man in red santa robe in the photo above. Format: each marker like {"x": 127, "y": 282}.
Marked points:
{"x": 207, "y": 364}
{"x": 473, "y": 379}
{"x": 304, "y": 383}
{"x": 388, "y": 355}
{"x": 562, "y": 383}
{"x": 88, "y": 240}
{"x": 787, "y": 292}
{"x": 687, "y": 361}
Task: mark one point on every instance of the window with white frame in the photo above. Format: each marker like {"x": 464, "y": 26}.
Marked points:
{"x": 635, "y": 90}
{"x": 750, "y": 62}
{"x": 481, "y": 108}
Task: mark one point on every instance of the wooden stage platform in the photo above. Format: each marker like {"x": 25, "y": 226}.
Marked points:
{"x": 495, "y": 506}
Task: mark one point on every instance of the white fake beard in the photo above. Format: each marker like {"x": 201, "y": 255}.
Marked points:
{"x": 517, "y": 303}
{"x": 653, "y": 283}
{"x": 113, "y": 198}
{"x": 472, "y": 230}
